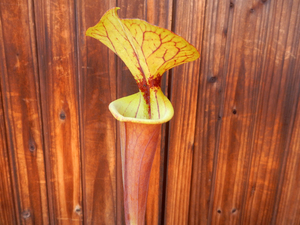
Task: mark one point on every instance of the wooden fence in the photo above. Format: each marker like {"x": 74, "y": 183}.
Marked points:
{"x": 230, "y": 155}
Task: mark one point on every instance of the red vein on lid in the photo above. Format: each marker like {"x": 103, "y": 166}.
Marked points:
{"x": 109, "y": 39}
{"x": 137, "y": 110}
{"x": 157, "y": 104}
{"x": 127, "y": 107}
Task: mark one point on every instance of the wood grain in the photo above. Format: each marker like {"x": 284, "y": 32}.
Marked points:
{"x": 230, "y": 155}
{"x": 97, "y": 66}
{"x": 244, "y": 54}
{"x": 247, "y": 76}
{"x": 276, "y": 111}
{"x": 188, "y": 22}
{"x": 215, "y": 51}
{"x": 20, "y": 89}
{"x": 289, "y": 198}
{"x": 8, "y": 214}
{"x": 286, "y": 207}
{"x": 56, "y": 35}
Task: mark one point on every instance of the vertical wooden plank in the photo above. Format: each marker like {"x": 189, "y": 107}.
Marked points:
{"x": 7, "y": 211}
{"x": 244, "y": 59}
{"x": 277, "y": 105}
{"x": 214, "y": 63}
{"x": 287, "y": 207}
{"x": 8, "y": 206}
{"x": 252, "y": 143}
{"x": 97, "y": 66}
{"x": 289, "y": 200}
{"x": 188, "y": 23}
{"x": 56, "y": 35}
{"x": 20, "y": 88}
{"x": 247, "y": 65}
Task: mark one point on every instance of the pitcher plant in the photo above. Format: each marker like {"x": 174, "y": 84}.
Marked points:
{"x": 148, "y": 51}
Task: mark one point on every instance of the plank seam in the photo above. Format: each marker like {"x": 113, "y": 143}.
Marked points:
{"x": 8, "y": 133}
{"x": 219, "y": 126}
{"x": 197, "y": 104}
{"x": 168, "y": 124}
{"x": 80, "y": 115}
{"x": 286, "y": 152}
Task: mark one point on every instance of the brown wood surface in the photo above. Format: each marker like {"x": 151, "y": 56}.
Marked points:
{"x": 287, "y": 196}
{"x": 231, "y": 153}
{"x": 187, "y": 22}
{"x": 279, "y": 95}
{"x": 241, "y": 110}
{"x": 97, "y": 66}
{"x": 21, "y": 102}
{"x": 56, "y": 35}
{"x": 215, "y": 48}
{"x": 8, "y": 214}
{"x": 288, "y": 200}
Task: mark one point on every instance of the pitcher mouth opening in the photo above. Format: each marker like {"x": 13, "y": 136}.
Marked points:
{"x": 127, "y": 110}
